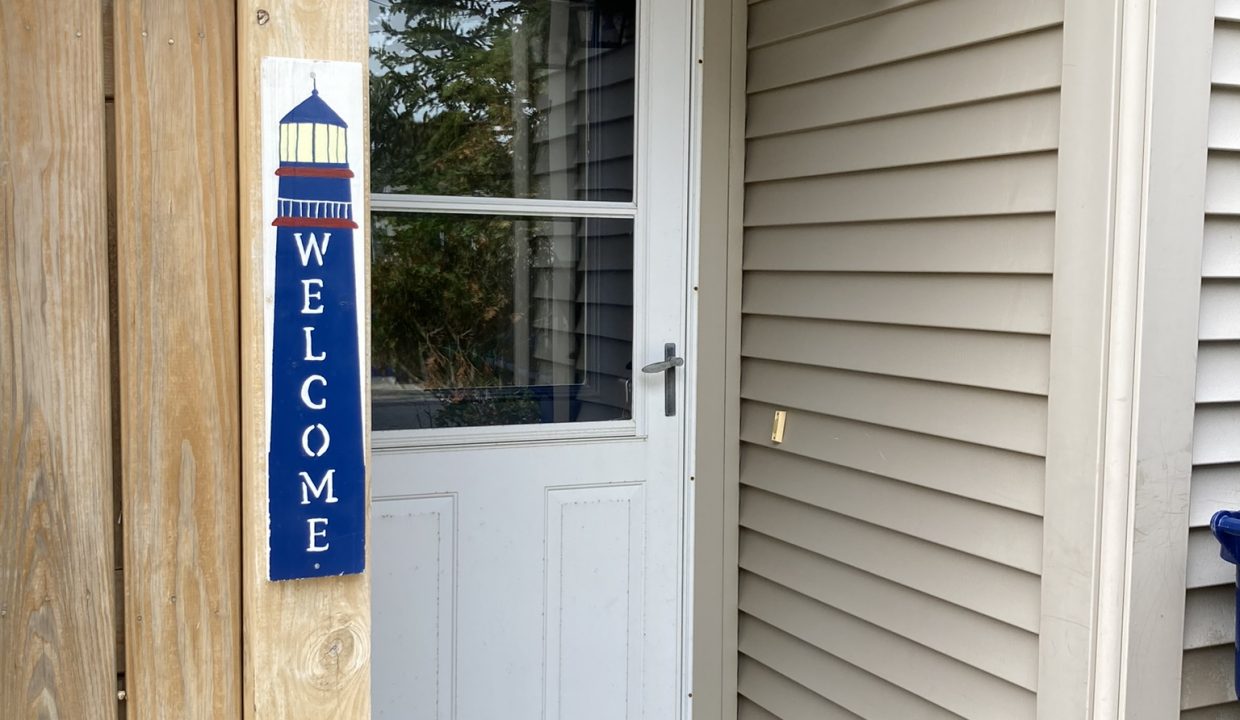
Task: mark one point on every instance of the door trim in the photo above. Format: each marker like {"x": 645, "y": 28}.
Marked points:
{"x": 717, "y": 124}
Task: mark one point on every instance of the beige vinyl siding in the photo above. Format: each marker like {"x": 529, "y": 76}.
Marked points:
{"x": 900, "y": 184}
{"x": 1209, "y": 612}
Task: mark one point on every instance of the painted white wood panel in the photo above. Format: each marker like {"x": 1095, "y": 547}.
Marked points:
{"x": 999, "y": 477}
{"x": 917, "y": 30}
{"x": 413, "y": 579}
{"x": 1022, "y": 64}
{"x": 593, "y": 608}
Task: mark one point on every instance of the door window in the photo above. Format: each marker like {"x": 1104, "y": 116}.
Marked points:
{"x": 502, "y": 167}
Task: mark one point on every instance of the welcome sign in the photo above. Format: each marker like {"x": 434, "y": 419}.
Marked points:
{"x": 316, "y": 466}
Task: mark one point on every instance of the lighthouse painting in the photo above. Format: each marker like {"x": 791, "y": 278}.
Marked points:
{"x": 315, "y": 302}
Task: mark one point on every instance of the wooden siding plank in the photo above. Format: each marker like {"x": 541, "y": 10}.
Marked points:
{"x": 909, "y": 33}
{"x": 1210, "y": 617}
{"x": 1213, "y": 488}
{"x": 1222, "y": 177}
{"x": 779, "y": 19}
{"x": 936, "y": 678}
{"x": 1010, "y": 421}
{"x": 1018, "y": 304}
{"x": 1215, "y": 430}
{"x": 849, "y": 686}
{"x": 1220, "y": 310}
{"x": 1218, "y": 372}
{"x": 1208, "y": 677}
{"x": 1224, "y": 132}
{"x": 1230, "y": 711}
{"x": 999, "y": 361}
{"x": 1220, "y": 252}
{"x": 307, "y": 644}
{"x": 989, "y": 645}
{"x": 1004, "y": 536}
{"x": 1225, "y": 69}
{"x": 1205, "y": 567}
{"x": 1007, "y": 126}
{"x": 993, "y": 186}
{"x": 996, "y": 244}
{"x": 999, "y": 477}
{"x": 747, "y": 709}
{"x": 178, "y": 291}
{"x": 1022, "y": 64}
{"x": 1227, "y": 10}
{"x": 786, "y": 698}
{"x": 57, "y": 614}
{"x": 1010, "y": 595}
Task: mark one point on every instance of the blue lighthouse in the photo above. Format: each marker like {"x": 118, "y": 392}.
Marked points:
{"x": 316, "y": 468}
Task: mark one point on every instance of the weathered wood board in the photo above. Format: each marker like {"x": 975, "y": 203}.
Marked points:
{"x": 57, "y": 616}
{"x": 175, "y": 99}
{"x": 307, "y": 643}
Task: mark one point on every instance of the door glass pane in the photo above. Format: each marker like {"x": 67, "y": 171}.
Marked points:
{"x": 493, "y": 320}
{"x": 503, "y": 98}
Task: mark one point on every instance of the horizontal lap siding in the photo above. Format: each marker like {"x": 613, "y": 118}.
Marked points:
{"x": 900, "y": 180}
{"x": 1209, "y": 612}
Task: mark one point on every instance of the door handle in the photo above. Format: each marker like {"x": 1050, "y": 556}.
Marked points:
{"x": 667, "y": 366}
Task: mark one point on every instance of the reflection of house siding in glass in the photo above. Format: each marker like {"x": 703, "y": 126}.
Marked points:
{"x": 899, "y": 221}
{"x": 580, "y": 317}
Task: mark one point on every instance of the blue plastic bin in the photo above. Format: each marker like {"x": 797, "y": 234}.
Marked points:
{"x": 1226, "y": 528}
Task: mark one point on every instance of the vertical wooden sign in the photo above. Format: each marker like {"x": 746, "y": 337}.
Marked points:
{"x": 306, "y": 642}
{"x": 312, "y": 274}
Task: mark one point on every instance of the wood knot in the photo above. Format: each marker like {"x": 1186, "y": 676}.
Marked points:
{"x": 336, "y": 656}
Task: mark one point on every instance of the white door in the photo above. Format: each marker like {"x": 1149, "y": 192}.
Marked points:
{"x": 529, "y": 199}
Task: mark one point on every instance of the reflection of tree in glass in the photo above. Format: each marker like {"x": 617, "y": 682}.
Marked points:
{"x": 461, "y": 96}
{"x": 441, "y": 110}
{"x": 442, "y": 299}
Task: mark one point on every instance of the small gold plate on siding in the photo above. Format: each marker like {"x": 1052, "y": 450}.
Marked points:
{"x": 777, "y": 426}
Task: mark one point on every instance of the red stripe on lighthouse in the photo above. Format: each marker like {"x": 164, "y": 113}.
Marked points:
{"x": 315, "y": 172}
{"x": 330, "y": 223}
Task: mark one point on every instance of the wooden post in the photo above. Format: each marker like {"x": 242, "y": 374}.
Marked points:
{"x": 57, "y": 641}
{"x": 307, "y": 642}
{"x": 175, "y": 98}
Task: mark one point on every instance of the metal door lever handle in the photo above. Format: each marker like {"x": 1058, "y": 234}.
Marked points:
{"x": 667, "y": 366}
{"x": 664, "y": 365}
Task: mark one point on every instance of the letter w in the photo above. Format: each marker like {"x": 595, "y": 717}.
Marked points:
{"x": 308, "y": 487}
{"x": 312, "y": 247}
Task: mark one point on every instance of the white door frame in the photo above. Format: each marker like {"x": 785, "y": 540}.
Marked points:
{"x": 687, "y": 20}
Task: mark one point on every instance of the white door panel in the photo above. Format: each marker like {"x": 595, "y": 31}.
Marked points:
{"x": 537, "y": 570}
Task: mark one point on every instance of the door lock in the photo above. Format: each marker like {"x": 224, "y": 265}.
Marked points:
{"x": 667, "y": 366}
